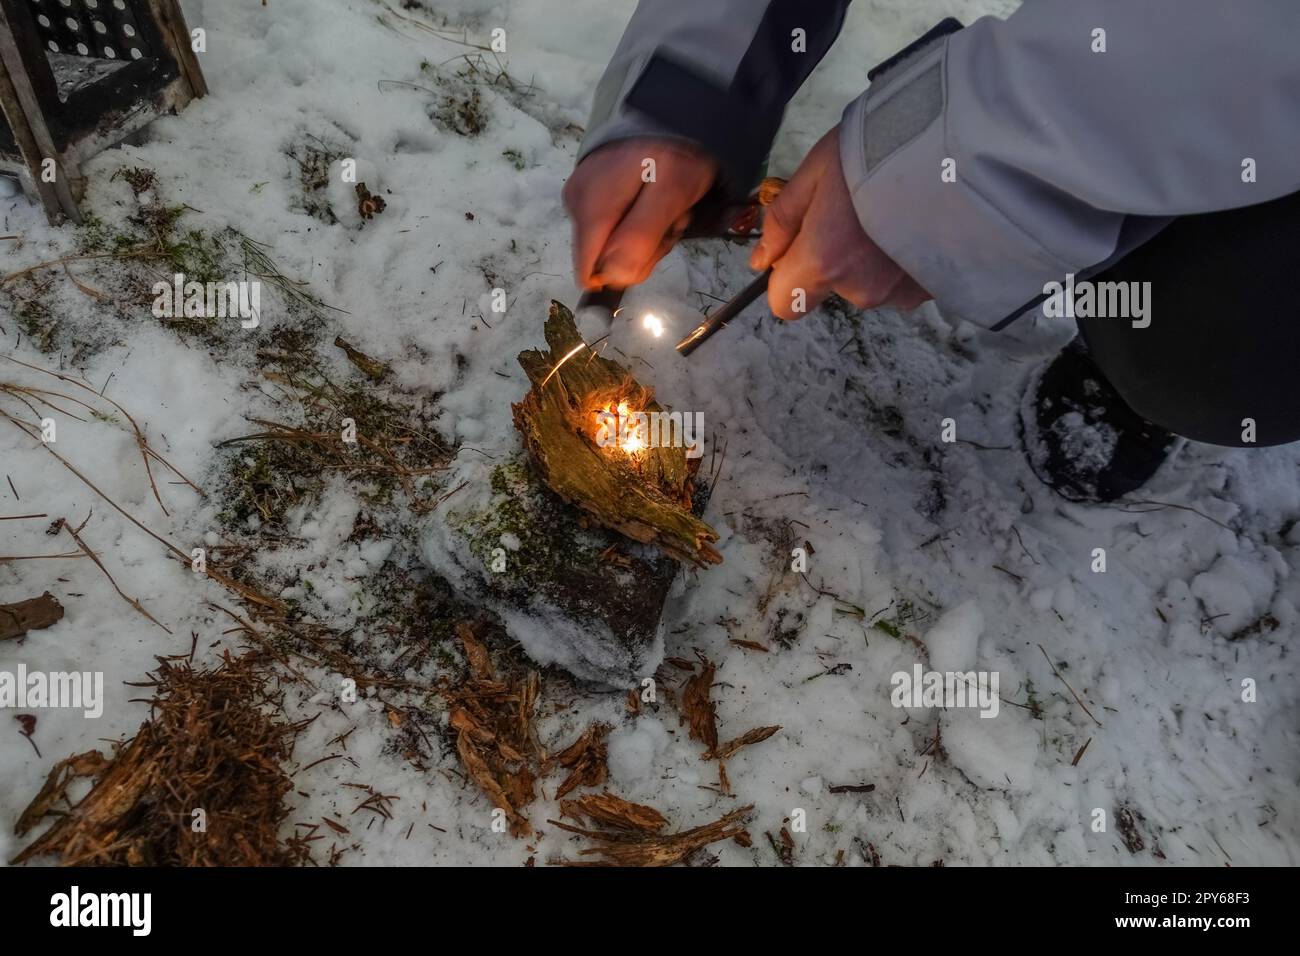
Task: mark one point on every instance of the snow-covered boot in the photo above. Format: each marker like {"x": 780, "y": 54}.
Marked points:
{"x": 1081, "y": 438}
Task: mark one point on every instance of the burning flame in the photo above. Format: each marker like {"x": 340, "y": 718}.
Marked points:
{"x": 627, "y": 435}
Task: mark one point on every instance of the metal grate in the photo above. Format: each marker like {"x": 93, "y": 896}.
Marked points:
{"x": 77, "y": 76}
{"x": 104, "y": 29}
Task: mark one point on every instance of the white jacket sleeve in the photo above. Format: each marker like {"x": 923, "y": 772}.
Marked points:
{"x": 1057, "y": 150}
{"x": 715, "y": 72}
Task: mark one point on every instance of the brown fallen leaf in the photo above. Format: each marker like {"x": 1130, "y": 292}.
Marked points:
{"x": 374, "y": 369}
{"x": 32, "y": 614}
{"x": 368, "y": 205}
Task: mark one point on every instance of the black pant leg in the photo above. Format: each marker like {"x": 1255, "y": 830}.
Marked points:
{"x": 1224, "y": 340}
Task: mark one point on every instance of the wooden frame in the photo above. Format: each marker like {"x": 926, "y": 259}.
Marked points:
{"x": 42, "y": 122}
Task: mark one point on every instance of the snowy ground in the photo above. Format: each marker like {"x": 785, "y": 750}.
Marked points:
{"x": 833, "y": 431}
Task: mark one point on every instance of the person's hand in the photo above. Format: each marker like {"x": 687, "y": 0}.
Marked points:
{"x": 814, "y": 242}
{"x": 623, "y": 225}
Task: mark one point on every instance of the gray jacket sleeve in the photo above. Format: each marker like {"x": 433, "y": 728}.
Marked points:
{"x": 715, "y": 72}
{"x": 1062, "y": 157}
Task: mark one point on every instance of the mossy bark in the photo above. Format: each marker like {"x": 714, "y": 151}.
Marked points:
{"x": 647, "y": 499}
{"x": 571, "y": 593}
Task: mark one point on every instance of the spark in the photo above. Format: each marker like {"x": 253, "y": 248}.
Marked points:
{"x": 654, "y": 324}
{"x": 571, "y": 353}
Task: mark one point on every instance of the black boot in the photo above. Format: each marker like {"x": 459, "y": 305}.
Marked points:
{"x": 1081, "y": 439}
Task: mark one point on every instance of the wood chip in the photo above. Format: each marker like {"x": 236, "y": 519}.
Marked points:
{"x": 852, "y": 788}
{"x": 744, "y": 740}
{"x": 587, "y": 760}
{"x": 476, "y": 766}
{"x": 613, "y": 811}
{"x": 700, "y": 712}
{"x": 614, "y": 847}
{"x": 88, "y": 764}
{"x": 496, "y": 738}
{"x": 475, "y": 653}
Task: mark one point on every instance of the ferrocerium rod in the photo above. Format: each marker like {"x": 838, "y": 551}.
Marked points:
{"x": 729, "y": 310}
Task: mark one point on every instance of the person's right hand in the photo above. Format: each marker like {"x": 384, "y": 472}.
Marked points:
{"x": 623, "y": 225}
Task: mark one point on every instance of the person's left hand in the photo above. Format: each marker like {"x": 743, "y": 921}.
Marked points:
{"x": 814, "y": 242}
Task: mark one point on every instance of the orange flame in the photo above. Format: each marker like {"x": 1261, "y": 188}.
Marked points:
{"x": 627, "y": 437}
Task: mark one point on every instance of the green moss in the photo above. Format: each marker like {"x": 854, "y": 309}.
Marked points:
{"x": 153, "y": 233}
{"x": 94, "y": 235}
{"x": 140, "y": 178}
{"x": 314, "y": 157}
{"x": 38, "y": 323}
{"x": 403, "y": 600}
{"x": 265, "y": 480}
{"x": 906, "y": 615}
{"x": 552, "y": 545}
{"x": 890, "y": 628}
{"x": 1034, "y": 704}
{"x": 268, "y": 476}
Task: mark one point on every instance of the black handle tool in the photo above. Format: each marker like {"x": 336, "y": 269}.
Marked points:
{"x": 729, "y": 310}
{"x": 607, "y": 300}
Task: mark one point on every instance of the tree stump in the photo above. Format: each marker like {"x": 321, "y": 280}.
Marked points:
{"x": 646, "y": 496}
{"x": 577, "y": 548}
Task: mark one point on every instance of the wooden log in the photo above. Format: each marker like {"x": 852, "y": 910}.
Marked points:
{"x": 32, "y": 614}
{"x": 646, "y": 497}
